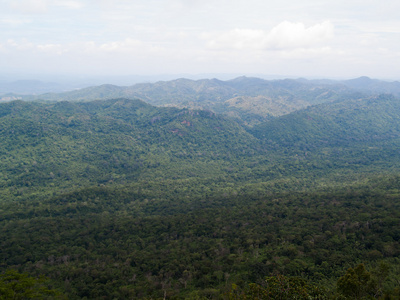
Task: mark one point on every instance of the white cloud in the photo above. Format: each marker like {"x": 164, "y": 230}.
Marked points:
{"x": 165, "y": 36}
{"x": 69, "y": 4}
{"x": 52, "y": 48}
{"x": 296, "y": 35}
{"x": 286, "y": 35}
{"x": 125, "y": 48}
{"x": 20, "y": 46}
{"x": 30, "y": 6}
{"x": 121, "y": 46}
{"x": 236, "y": 39}
{"x": 304, "y": 53}
{"x": 14, "y": 21}
{"x": 42, "y": 6}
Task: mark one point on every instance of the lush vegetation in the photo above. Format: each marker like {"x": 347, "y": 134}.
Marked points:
{"x": 104, "y": 242}
{"x": 120, "y": 199}
{"x": 14, "y": 285}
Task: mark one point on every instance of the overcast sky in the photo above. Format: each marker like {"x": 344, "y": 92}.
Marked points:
{"x": 309, "y": 38}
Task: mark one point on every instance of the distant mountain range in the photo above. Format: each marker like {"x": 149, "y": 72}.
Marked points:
{"x": 374, "y": 86}
{"x": 251, "y": 100}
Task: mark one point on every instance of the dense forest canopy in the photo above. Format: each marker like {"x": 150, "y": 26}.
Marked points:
{"x": 121, "y": 199}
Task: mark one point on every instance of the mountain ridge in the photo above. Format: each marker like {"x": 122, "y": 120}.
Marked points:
{"x": 260, "y": 99}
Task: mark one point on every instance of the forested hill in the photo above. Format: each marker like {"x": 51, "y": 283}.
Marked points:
{"x": 362, "y": 134}
{"x": 119, "y": 199}
{"x": 71, "y": 144}
{"x": 251, "y": 100}
{"x": 372, "y": 121}
{"x": 62, "y": 146}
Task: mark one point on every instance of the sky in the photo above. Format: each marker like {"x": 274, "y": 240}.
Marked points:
{"x": 338, "y": 39}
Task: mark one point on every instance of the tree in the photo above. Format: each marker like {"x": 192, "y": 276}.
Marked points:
{"x": 278, "y": 287}
{"x": 14, "y": 285}
{"x": 357, "y": 283}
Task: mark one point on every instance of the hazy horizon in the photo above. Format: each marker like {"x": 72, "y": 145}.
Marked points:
{"x": 34, "y": 84}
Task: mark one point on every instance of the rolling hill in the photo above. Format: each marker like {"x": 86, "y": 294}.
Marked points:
{"x": 122, "y": 199}
{"x": 71, "y": 144}
{"x": 61, "y": 146}
{"x": 371, "y": 120}
{"x": 251, "y": 100}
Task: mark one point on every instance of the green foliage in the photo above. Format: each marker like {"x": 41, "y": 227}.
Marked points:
{"x": 14, "y": 285}
{"x": 100, "y": 241}
{"x": 373, "y": 120}
{"x": 50, "y": 147}
{"x": 279, "y": 287}
{"x": 357, "y": 283}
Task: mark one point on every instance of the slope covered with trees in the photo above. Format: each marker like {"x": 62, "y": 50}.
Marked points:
{"x": 366, "y": 120}
{"x": 121, "y": 199}
{"x": 64, "y": 145}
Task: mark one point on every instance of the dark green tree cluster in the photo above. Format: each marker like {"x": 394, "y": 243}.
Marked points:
{"x": 104, "y": 244}
{"x": 277, "y": 288}
{"x": 14, "y": 285}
